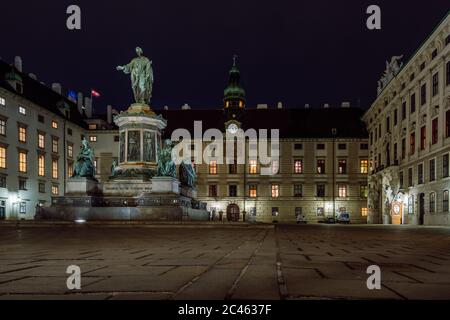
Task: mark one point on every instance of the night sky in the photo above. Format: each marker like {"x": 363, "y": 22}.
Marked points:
{"x": 296, "y": 52}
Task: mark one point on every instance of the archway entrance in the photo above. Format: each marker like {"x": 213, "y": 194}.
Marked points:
{"x": 233, "y": 212}
{"x": 421, "y": 208}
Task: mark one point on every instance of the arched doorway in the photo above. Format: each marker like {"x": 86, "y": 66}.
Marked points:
{"x": 421, "y": 208}
{"x": 233, "y": 212}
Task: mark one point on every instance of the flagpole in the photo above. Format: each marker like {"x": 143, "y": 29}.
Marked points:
{"x": 92, "y": 105}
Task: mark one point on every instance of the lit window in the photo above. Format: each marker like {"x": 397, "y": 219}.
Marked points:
{"x": 275, "y": 190}
{"x": 69, "y": 169}
{"x": 252, "y": 167}
{"x": 92, "y": 126}
{"x": 93, "y": 138}
{"x": 22, "y": 133}
{"x": 55, "y": 189}
{"x": 55, "y": 169}
{"x": 342, "y": 190}
{"x": 252, "y": 191}
{"x": 2, "y": 127}
{"x": 321, "y": 166}
{"x": 213, "y": 167}
{"x": 22, "y": 161}
{"x": 363, "y": 190}
{"x": 54, "y": 124}
{"x": 364, "y": 166}
{"x": 22, "y": 110}
{"x": 41, "y": 165}
{"x": 2, "y": 102}
{"x": 23, "y": 208}
{"x": 2, "y": 157}
{"x": 411, "y": 204}
{"x": 275, "y": 166}
{"x": 41, "y": 140}
{"x": 298, "y": 166}
{"x": 70, "y": 151}
{"x": 364, "y": 212}
{"x": 342, "y": 166}
{"x": 54, "y": 145}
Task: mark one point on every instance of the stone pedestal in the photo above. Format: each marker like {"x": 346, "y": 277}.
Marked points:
{"x": 189, "y": 192}
{"x": 165, "y": 185}
{"x": 82, "y": 186}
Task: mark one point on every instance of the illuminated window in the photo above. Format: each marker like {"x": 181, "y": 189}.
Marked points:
{"x": 321, "y": 166}
{"x": 55, "y": 189}
{"x": 22, "y": 161}
{"x": 275, "y": 190}
{"x": 54, "y": 145}
{"x": 70, "y": 150}
{"x": 2, "y": 157}
{"x": 41, "y": 165}
{"x": 253, "y": 190}
{"x": 241, "y": 104}
{"x": 2, "y": 127}
{"x": 41, "y": 140}
{"x": 432, "y": 202}
{"x": 22, "y": 110}
{"x": 55, "y": 169}
{"x": 342, "y": 166}
{"x": 363, "y": 190}
{"x": 342, "y": 190}
{"x": 22, "y": 133}
{"x": 411, "y": 204}
{"x": 364, "y": 166}
{"x": 69, "y": 169}
{"x": 252, "y": 167}
{"x": 213, "y": 190}
{"x": 213, "y": 167}
{"x": 2, "y": 102}
{"x": 54, "y": 124}
{"x": 364, "y": 212}
{"x": 298, "y": 166}
{"x": 275, "y": 166}
{"x": 92, "y": 126}
{"x": 93, "y": 138}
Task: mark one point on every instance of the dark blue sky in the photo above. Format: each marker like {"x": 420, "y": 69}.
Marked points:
{"x": 294, "y": 51}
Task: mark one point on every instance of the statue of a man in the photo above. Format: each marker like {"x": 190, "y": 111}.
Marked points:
{"x": 166, "y": 167}
{"x": 84, "y": 166}
{"x": 141, "y": 77}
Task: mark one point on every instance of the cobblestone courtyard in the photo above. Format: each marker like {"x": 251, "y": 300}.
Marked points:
{"x": 225, "y": 262}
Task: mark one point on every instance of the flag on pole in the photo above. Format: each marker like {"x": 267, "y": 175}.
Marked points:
{"x": 95, "y": 93}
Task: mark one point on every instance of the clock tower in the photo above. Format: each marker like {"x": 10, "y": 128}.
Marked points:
{"x": 233, "y": 97}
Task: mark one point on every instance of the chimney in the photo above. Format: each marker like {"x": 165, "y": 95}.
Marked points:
{"x": 262, "y": 106}
{"x": 32, "y": 76}
{"x": 345, "y": 104}
{"x": 18, "y": 63}
{"x": 326, "y": 105}
{"x": 306, "y": 105}
{"x": 56, "y": 87}
{"x": 185, "y": 107}
{"x": 280, "y": 105}
{"x": 166, "y": 107}
{"x": 80, "y": 102}
{"x": 88, "y": 107}
{"x": 109, "y": 113}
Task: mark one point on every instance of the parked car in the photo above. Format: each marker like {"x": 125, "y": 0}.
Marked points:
{"x": 344, "y": 217}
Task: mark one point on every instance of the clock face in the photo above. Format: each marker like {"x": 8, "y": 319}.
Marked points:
{"x": 232, "y": 128}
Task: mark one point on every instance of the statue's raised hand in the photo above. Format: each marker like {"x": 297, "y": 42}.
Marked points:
{"x": 120, "y": 68}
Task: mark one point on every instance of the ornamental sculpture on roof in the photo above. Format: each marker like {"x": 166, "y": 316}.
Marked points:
{"x": 392, "y": 69}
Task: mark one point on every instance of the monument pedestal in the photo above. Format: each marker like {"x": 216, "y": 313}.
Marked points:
{"x": 165, "y": 185}
{"x": 82, "y": 186}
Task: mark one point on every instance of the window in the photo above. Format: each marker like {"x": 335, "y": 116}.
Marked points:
{"x": 298, "y": 146}
{"x": 252, "y": 191}
{"x": 70, "y": 150}
{"x": 298, "y": 211}
{"x": 252, "y": 167}
{"x": 422, "y": 66}
{"x": 55, "y": 145}
{"x": 213, "y": 190}
{"x": 411, "y": 204}
{"x": 22, "y": 161}
{"x": 342, "y": 190}
{"x": 275, "y": 191}
{"x": 434, "y": 54}
{"x": 423, "y": 94}
{"x": 232, "y": 190}
{"x": 213, "y": 167}
{"x": 434, "y": 131}
{"x": 363, "y": 190}
{"x": 410, "y": 177}
{"x": 412, "y": 143}
{"x": 342, "y": 146}
{"x": 364, "y": 212}
{"x": 432, "y": 202}
{"x": 41, "y": 140}
{"x": 22, "y": 184}
{"x": 93, "y": 138}
{"x": 298, "y": 166}
{"x": 54, "y": 124}
{"x": 447, "y": 124}
{"x": 364, "y": 166}
{"x": 40, "y": 118}
{"x": 69, "y": 131}
{"x": 364, "y": 146}
{"x": 2, "y": 157}
{"x": 400, "y": 178}
{"x": 395, "y": 117}
{"x": 403, "y": 110}
{"x": 403, "y": 148}
{"x": 2, "y": 127}
{"x": 55, "y": 168}
{"x": 23, "y": 208}
{"x": 22, "y": 133}
{"x": 41, "y": 165}
{"x": 41, "y": 187}
{"x": 22, "y": 110}
{"x": 232, "y": 168}
{"x": 423, "y": 137}
{"x": 412, "y": 104}
{"x": 320, "y": 212}
{"x": 342, "y": 166}
{"x": 320, "y": 190}
{"x": 69, "y": 168}
{"x": 420, "y": 173}
{"x": 275, "y": 166}
{"x": 447, "y": 73}
{"x": 435, "y": 85}
{"x": 92, "y": 126}
{"x": 2, "y": 102}
{"x": 432, "y": 170}
{"x": 321, "y": 166}
{"x": 445, "y": 166}
{"x": 55, "y": 189}
{"x": 116, "y": 138}
{"x": 395, "y": 153}
{"x": 388, "y": 124}
{"x": 2, "y": 181}
{"x": 412, "y": 76}
{"x": 445, "y": 201}
{"x": 379, "y": 130}
{"x": 275, "y": 211}
{"x": 320, "y": 146}
{"x": 298, "y": 190}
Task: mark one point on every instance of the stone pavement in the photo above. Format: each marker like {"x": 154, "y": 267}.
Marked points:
{"x": 225, "y": 262}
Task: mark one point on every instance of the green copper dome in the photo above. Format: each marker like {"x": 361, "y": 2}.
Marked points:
{"x": 234, "y": 92}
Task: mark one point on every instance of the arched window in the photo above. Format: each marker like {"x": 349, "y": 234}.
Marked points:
{"x": 432, "y": 202}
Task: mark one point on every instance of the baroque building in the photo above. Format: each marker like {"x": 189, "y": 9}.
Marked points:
{"x": 409, "y": 137}
{"x": 321, "y": 170}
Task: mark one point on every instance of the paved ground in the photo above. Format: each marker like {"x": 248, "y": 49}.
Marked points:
{"x": 198, "y": 262}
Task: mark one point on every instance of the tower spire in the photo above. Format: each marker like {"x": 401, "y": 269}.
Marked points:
{"x": 234, "y": 94}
